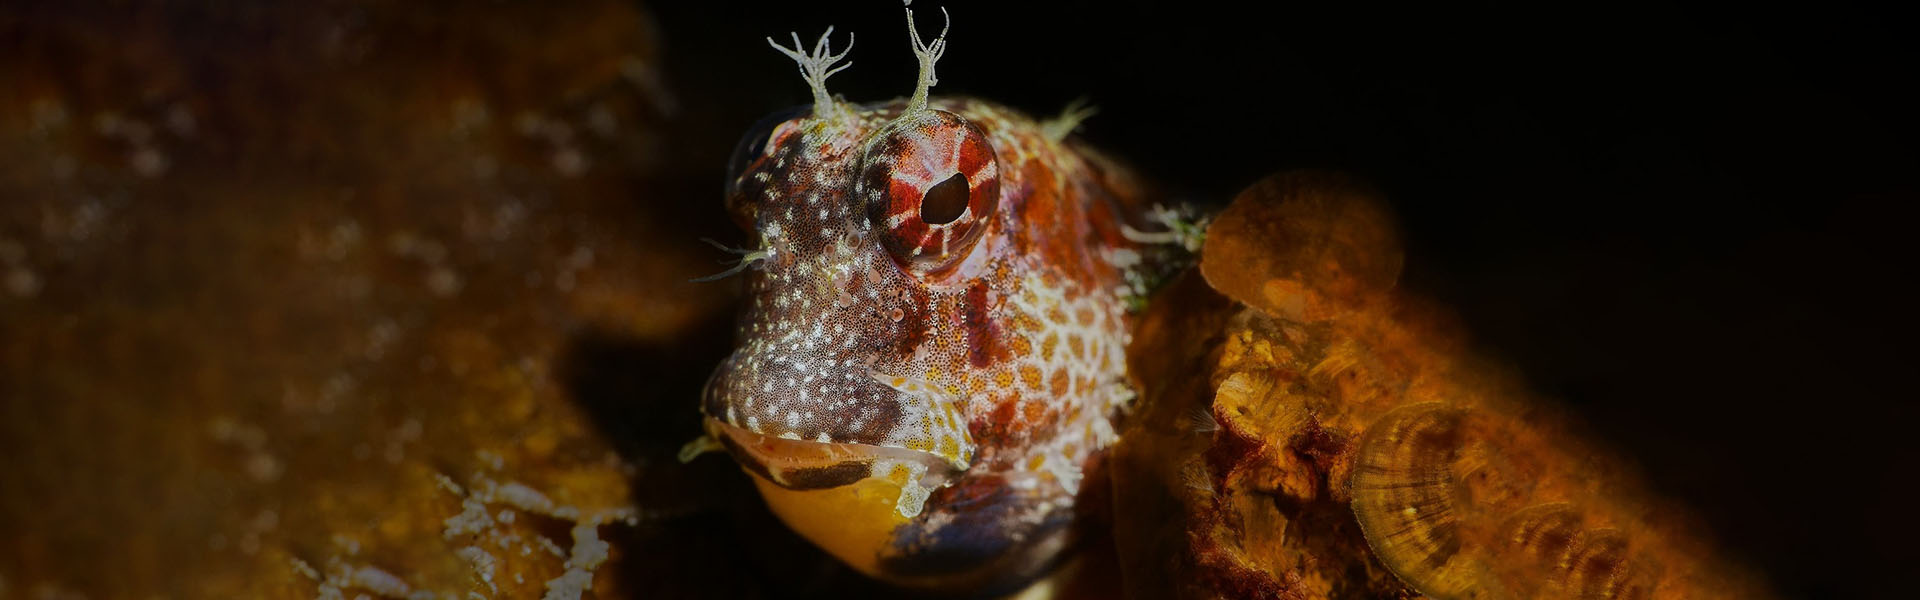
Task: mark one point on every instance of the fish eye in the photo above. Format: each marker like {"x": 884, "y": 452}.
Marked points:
{"x": 754, "y": 145}
{"x": 749, "y": 153}
{"x": 931, "y": 184}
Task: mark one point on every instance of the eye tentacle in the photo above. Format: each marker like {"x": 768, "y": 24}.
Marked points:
{"x": 928, "y": 54}
{"x": 1069, "y": 119}
{"x": 816, "y": 66}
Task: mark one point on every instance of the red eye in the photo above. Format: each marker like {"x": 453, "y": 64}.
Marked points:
{"x": 931, "y": 185}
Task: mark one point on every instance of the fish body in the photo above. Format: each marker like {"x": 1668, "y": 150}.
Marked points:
{"x": 937, "y": 317}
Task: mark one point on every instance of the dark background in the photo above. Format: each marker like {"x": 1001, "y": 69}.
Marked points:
{"x": 1686, "y": 224}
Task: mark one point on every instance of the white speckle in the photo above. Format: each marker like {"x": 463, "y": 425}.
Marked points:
{"x": 409, "y": 430}
{"x": 107, "y": 123}
{"x": 346, "y": 544}
{"x": 580, "y": 258}
{"x": 380, "y": 582}
{"x": 148, "y": 162}
{"x": 473, "y": 519}
{"x": 263, "y": 467}
{"x": 530, "y": 124}
{"x": 267, "y": 520}
{"x": 483, "y": 564}
{"x": 180, "y": 121}
{"x": 587, "y": 554}
{"x": 301, "y": 567}
{"x": 569, "y": 162}
{"x": 601, "y": 122}
{"x": 22, "y": 282}
{"x": 526, "y": 498}
{"x": 443, "y": 281}
{"x": 344, "y": 236}
{"x": 63, "y": 166}
{"x": 47, "y": 114}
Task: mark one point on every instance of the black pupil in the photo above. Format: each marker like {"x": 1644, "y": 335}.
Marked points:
{"x": 944, "y": 201}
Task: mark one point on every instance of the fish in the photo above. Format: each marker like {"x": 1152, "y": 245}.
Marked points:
{"x": 930, "y": 362}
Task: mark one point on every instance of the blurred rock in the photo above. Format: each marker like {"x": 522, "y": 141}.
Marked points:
{"x": 340, "y": 299}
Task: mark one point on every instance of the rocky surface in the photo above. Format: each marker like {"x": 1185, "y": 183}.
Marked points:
{"x": 322, "y": 301}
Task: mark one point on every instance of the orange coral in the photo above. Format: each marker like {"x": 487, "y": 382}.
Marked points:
{"x": 1360, "y": 449}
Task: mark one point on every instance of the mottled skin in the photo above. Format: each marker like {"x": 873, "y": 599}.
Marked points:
{"x": 977, "y": 358}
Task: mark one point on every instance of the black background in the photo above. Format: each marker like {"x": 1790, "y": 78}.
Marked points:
{"x": 1687, "y": 224}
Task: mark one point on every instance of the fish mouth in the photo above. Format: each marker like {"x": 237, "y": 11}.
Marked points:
{"x": 803, "y": 465}
{"x": 864, "y": 423}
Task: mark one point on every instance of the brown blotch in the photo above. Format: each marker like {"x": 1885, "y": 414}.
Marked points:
{"x": 1058, "y": 382}
{"x": 915, "y": 326}
{"x": 1034, "y": 411}
{"x": 1001, "y": 424}
{"x": 1599, "y": 566}
{"x": 985, "y": 343}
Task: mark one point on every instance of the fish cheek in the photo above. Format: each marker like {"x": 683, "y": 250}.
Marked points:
{"x": 985, "y": 343}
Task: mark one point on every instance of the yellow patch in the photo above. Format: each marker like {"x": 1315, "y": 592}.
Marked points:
{"x": 1030, "y": 376}
{"x": 1020, "y": 347}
